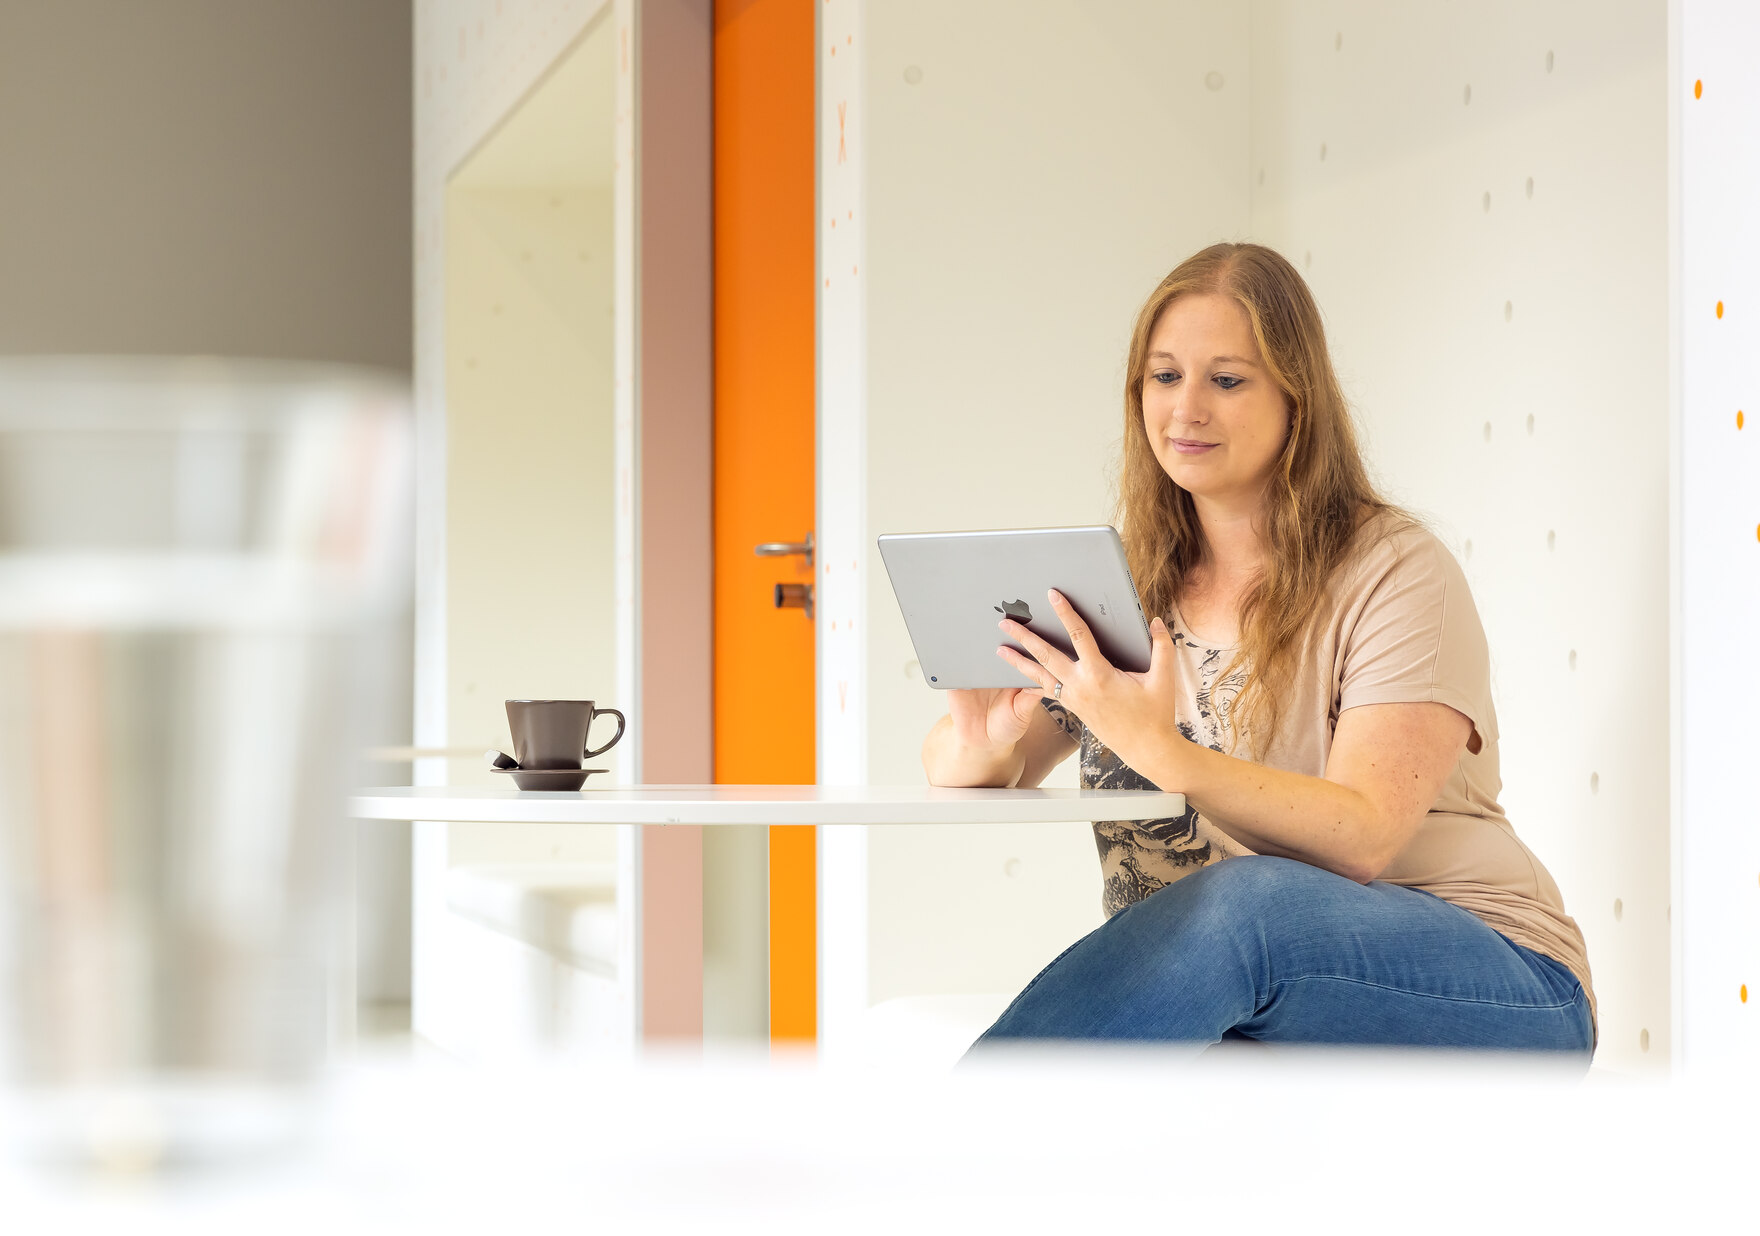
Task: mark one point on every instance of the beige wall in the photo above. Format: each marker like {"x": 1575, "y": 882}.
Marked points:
{"x": 206, "y": 176}
{"x": 476, "y": 63}
{"x": 530, "y": 511}
{"x": 1024, "y": 193}
{"x": 529, "y": 481}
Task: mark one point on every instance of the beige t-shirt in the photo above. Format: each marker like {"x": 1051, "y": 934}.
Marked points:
{"x": 1401, "y": 626}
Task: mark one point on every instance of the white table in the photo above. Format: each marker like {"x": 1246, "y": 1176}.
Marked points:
{"x": 761, "y": 804}
{"x": 658, "y": 897}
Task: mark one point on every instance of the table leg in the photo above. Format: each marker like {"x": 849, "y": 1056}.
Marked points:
{"x": 672, "y": 932}
{"x": 794, "y": 934}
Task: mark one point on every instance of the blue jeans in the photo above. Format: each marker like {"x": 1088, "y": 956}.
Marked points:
{"x": 1281, "y": 951}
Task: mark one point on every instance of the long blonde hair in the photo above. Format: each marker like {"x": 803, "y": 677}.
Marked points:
{"x": 1318, "y": 497}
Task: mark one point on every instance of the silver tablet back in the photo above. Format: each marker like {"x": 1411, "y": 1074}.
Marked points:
{"x": 954, "y": 587}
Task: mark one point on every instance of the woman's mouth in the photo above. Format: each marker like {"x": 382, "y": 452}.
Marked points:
{"x": 1191, "y": 448}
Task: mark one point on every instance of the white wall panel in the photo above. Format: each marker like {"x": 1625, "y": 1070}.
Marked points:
{"x": 1478, "y": 197}
{"x": 529, "y": 490}
{"x": 474, "y": 61}
{"x": 1717, "y": 107}
{"x": 1031, "y": 170}
{"x": 841, "y": 521}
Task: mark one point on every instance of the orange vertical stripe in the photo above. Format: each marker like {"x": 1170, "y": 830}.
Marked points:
{"x": 764, "y": 450}
{"x": 794, "y": 931}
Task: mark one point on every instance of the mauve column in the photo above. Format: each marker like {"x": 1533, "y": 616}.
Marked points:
{"x": 674, "y": 419}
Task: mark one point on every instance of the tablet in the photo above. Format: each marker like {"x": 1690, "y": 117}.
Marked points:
{"x": 954, "y": 587}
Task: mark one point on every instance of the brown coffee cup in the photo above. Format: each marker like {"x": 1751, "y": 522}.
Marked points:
{"x": 553, "y": 733}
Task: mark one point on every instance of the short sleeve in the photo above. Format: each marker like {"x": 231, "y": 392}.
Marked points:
{"x": 1417, "y": 638}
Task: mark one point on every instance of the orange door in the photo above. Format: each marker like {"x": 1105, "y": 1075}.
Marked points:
{"x": 764, "y": 483}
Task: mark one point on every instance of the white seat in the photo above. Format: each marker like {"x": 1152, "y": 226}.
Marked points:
{"x": 532, "y": 958}
{"x": 568, "y": 910}
{"x": 931, "y": 1033}
{"x": 923, "y": 1033}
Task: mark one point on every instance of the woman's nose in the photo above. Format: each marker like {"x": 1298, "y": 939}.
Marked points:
{"x": 1186, "y": 404}
{"x": 1188, "y": 409}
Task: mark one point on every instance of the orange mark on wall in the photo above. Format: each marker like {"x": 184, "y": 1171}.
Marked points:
{"x": 1698, "y": 88}
{"x": 1720, "y": 308}
{"x": 1744, "y": 993}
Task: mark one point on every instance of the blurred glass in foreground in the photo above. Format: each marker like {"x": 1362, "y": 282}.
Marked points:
{"x": 198, "y": 562}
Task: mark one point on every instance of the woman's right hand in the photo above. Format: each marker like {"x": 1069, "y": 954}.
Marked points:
{"x": 991, "y": 717}
{"x": 994, "y": 737}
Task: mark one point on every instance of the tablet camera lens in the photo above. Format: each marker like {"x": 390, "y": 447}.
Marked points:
{"x": 932, "y": 678}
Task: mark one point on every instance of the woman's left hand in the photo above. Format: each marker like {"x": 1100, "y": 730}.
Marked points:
{"x": 1131, "y": 713}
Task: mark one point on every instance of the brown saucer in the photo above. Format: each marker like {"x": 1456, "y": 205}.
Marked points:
{"x": 548, "y": 778}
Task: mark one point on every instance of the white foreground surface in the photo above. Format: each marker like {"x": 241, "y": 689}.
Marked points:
{"x": 1250, "y": 1138}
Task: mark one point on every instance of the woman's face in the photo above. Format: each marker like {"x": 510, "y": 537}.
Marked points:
{"x": 1204, "y": 383}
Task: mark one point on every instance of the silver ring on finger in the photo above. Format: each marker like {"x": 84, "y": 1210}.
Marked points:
{"x": 1056, "y": 690}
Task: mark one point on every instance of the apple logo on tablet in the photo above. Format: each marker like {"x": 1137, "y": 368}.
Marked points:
{"x": 1014, "y": 609}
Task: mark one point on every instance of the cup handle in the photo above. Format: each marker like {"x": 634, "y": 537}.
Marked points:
{"x": 597, "y": 713}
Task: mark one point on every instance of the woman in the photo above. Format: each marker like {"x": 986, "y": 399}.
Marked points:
{"x": 1351, "y": 877}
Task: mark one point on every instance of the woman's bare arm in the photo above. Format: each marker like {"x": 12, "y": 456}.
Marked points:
{"x": 1024, "y": 763}
{"x": 1045, "y": 745}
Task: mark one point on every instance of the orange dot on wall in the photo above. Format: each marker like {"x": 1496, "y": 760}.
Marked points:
{"x": 1738, "y": 418}
{"x": 1698, "y": 88}
{"x": 1720, "y": 308}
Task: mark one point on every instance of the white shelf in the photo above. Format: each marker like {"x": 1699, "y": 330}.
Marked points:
{"x": 762, "y": 804}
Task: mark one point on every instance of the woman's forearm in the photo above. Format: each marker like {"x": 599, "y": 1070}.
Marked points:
{"x": 1271, "y": 811}
{"x": 948, "y": 763}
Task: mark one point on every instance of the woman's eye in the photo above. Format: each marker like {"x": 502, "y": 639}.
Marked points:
{"x": 1164, "y": 377}
{"x": 1229, "y": 383}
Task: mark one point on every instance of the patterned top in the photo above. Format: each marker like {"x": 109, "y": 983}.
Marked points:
{"x": 1139, "y": 856}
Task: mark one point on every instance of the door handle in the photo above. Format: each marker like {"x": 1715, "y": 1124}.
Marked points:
{"x": 781, "y": 549}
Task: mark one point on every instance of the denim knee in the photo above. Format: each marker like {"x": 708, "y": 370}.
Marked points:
{"x": 1226, "y": 901}
{"x": 1254, "y": 876}
{"x": 1233, "y": 889}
